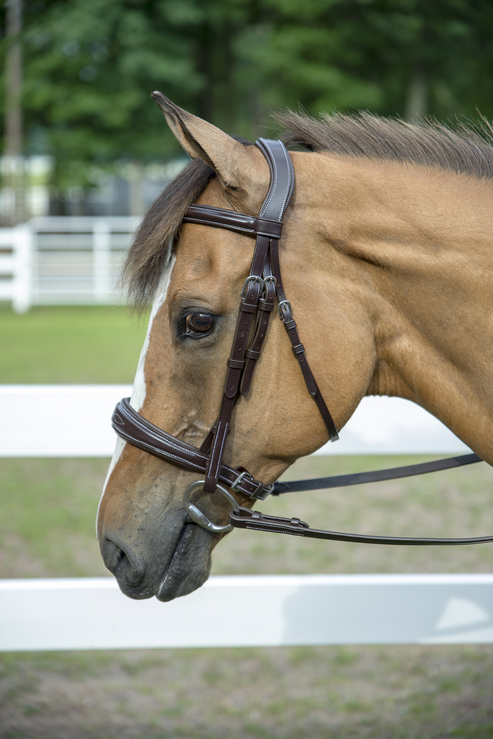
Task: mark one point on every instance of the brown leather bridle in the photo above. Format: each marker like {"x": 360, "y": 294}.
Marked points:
{"x": 262, "y": 286}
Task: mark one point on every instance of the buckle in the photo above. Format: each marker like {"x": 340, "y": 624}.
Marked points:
{"x": 267, "y": 490}
{"x": 241, "y": 476}
{"x": 269, "y": 278}
{"x": 262, "y": 491}
{"x": 252, "y": 278}
{"x": 280, "y": 305}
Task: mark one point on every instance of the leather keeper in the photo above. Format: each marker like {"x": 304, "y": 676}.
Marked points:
{"x": 264, "y": 227}
{"x": 236, "y": 363}
{"x": 298, "y": 349}
{"x": 248, "y": 307}
{"x": 265, "y": 306}
{"x": 252, "y": 354}
{"x": 289, "y": 325}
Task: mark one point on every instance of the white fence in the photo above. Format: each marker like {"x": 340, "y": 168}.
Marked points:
{"x": 63, "y": 260}
{"x": 91, "y": 613}
{"x": 15, "y": 267}
{"x": 79, "y": 418}
{"x": 250, "y": 611}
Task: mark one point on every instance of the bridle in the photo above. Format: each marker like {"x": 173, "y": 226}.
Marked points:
{"x": 257, "y": 302}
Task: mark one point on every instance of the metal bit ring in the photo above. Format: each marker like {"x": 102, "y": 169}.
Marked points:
{"x": 196, "y": 515}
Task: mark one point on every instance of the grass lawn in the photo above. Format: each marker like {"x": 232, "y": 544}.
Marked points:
{"x": 76, "y": 344}
{"x": 48, "y": 507}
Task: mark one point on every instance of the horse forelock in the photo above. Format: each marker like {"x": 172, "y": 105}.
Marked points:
{"x": 463, "y": 150}
{"x": 158, "y": 233}
{"x": 156, "y": 236}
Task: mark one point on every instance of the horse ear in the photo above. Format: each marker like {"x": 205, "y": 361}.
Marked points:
{"x": 230, "y": 159}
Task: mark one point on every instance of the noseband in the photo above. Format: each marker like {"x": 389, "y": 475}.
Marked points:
{"x": 257, "y": 302}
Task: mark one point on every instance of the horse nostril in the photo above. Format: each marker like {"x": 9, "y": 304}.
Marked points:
{"x": 121, "y": 564}
{"x": 112, "y": 554}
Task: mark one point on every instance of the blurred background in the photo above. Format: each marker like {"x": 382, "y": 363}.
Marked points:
{"x": 81, "y": 136}
{"x": 83, "y": 153}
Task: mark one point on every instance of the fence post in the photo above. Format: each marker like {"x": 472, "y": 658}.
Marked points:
{"x": 101, "y": 242}
{"x": 22, "y": 278}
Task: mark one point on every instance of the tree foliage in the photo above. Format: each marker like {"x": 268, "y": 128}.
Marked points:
{"x": 89, "y": 66}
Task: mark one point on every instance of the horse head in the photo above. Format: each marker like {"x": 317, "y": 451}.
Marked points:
{"x": 196, "y": 275}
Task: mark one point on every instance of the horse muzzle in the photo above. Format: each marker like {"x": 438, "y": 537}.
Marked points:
{"x": 172, "y": 560}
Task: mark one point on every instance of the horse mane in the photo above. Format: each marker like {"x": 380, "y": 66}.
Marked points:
{"x": 465, "y": 150}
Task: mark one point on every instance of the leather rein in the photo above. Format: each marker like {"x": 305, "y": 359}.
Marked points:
{"x": 261, "y": 289}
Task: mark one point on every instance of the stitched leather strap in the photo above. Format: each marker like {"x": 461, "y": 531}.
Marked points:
{"x": 140, "y": 432}
{"x": 233, "y": 221}
{"x": 256, "y": 521}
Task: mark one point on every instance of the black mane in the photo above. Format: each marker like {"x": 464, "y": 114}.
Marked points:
{"x": 465, "y": 150}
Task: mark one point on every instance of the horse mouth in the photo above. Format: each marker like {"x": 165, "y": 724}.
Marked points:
{"x": 190, "y": 563}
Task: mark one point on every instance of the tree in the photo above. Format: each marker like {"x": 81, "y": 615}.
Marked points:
{"x": 394, "y": 57}
{"x": 89, "y": 66}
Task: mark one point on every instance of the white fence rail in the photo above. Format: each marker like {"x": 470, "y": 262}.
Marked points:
{"x": 250, "y": 611}
{"x": 91, "y": 613}
{"x": 63, "y": 260}
{"x": 74, "y": 421}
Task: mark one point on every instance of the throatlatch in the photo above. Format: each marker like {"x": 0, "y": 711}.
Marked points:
{"x": 257, "y": 302}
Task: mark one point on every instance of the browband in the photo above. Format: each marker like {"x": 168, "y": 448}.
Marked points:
{"x": 233, "y": 221}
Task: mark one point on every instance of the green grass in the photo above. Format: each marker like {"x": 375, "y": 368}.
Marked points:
{"x": 48, "y": 510}
{"x": 70, "y": 345}
{"x": 381, "y": 693}
{"x": 47, "y": 522}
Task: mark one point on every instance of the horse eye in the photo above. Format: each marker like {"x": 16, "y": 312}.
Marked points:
{"x": 197, "y": 324}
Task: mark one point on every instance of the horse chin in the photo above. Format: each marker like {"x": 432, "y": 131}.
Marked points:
{"x": 190, "y": 563}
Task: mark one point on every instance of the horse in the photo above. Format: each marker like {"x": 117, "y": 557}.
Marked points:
{"x": 387, "y": 259}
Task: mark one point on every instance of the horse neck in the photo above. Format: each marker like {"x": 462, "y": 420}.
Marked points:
{"x": 418, "y": 241}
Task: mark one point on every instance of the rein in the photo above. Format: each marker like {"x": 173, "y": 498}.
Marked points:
{"x": 261, "y": 289}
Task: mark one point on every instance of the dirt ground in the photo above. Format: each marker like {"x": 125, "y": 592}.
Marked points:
{"x": 286, "y": 693}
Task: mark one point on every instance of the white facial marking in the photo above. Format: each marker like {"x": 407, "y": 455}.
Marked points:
{"x": 139, "y": 386}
